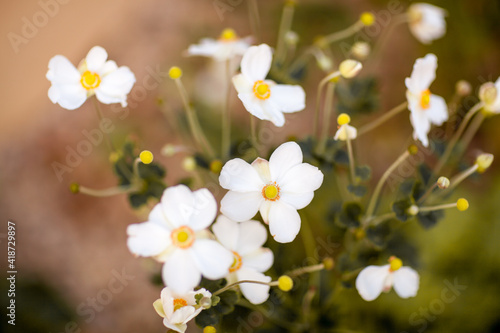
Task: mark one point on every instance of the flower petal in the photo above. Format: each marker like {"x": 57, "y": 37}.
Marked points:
{"x": 241, "y": 206}
{"x": 284, "y": 222}
{"x": 423, "y": 74}
{"x": 66, "y": 88}
{"x": 252, "y": 235}
{"x": 115, "y": 86}
{"x": 61, "y": 70}
{"x": 242, "y": 84}
{"x": 255, "y": 293}
{"x": 421, "y": 126}
{"x": 96, "y": 58}
{"x": 406, "y": 282}
{"x": 286, "y": 156}
{"x": 227, "y": 232}
{"x": 437, "y": 112}
{"x": 238, "y": 175}
{"x": 205, "y": 210}
{"x": 301, "y": 178}
{"x": 259, "y": 260}
{"x": 147, "y": 239}
{"x": 211, "y": 258}
{"x": 178, "y": 204}
{"x": 288, "y": 98}
{"x": 256, "y": 62}
{"x": 370, "y": 281}
{"x": 297, "y": 200}
{"x": 180, "y": 272}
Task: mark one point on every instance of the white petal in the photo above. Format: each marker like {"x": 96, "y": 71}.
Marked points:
{"x": 284, "y": 158}
{"x": 147, "y": 239}
{"x": 423, "y": 74}
{"x": 240, "y": 206}
{"x": 431, "y": 24}
{"x": 437, "y": 112}
{"x": 252, "y": 235}
{"x": 288, "y": 98}
{"x": 262, "y": 167}
{"x": 207, "y": 47}
{"x": 260, "y": 260}
{"x": 109, "y": 67}
{"x": 96, "y": 58}
{"x": 211, "y": 258}
{"x": 227, "y": 232}
{"x": 265, "y": 206}
{"x": 301, "y": 178}
{"x": 346, "y": 131}
{"x": 167, "y": 300}
{"x": 238, "y": 175}
{"x": 178, "y": 205}
{"x": 181, "y": 328}
{"x": 158, "y": 216}
{"x": 297, "y": 200}
{"x": 256, "y": 62}
{"x": 182, "y": 315}
{"x": 180, "y": 272}
{"x": 242, "y": 84}
{"x": 61, "y": 70}
{"x": 406, "y": 281}
{"x": 255, "y": 293}
{"x": 284, "y": 222}
{"x": 418, "y": 119}
{"x": 205, "y": 210}
{"x": 273, "y": 112}
{"x": 115, "y": 86}
{"x": 68, "y": 96}
{"x": 370, "y": 281}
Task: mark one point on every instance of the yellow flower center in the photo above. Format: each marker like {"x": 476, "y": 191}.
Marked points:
{"x": 237, "y": 261}
{"x": 228, "y": 35}
{"x": 261, "y": 90}
{"x": 271, "y": 192}
{"x": 179, "y": 303}
{"x": 183, "y": 237}
{"x": 90, "y": 80}
{"x": 343, "y": 119}
{"x": 395, "y": 263}
{"x": 425, "y": 99}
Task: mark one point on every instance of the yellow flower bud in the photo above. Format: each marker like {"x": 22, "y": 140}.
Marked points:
{"x": 462, "y": 204}
{"x": 216, "y": 166}
{"x": 343, "y": 119}
{"x": 367, "y": 18}
{"x": 285, "y": 283}
{"x": 350, "y": 68}
{"x": 209, "y": 329}
{"x": 483, "y": 162}
{"x": 361, "y": 50}
{"x": 74, "y": 188}
{"x": 329, "y": 263}
{"x": 413, "y": 149}
{"x": 146, "y": 156}
{"x": 189, "y": 163}
{"x": 395, "y": 263}
{"x": 175, "y": 72}
{"x": 488, "y": 93}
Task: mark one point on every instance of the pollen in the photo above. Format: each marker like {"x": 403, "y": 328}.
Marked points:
{"x": 271, "y": 192}
{"x": 90, "y": 80}
{"x": 179, "y": 303}
{"x": 237, "y": 262}
{"x": 395, "y": 263}
{"x": 425, "y": 99}
{"x": 261, "y": 90}
{"x": 228, "y": 35}
{"x": 183, "y": 237}
{"x": 343, "y": 119}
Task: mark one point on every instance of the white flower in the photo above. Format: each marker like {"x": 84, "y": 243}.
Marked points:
{"x": 426, "y": 108}
{"x": 277, "y": 188}
{"x": 426, "y": 22}
{"x": 226, "y": 47}
{"x": 489, "y": 93}
{"x": 344, "y": 131}
{"x": 264, "y": 98}
{"x": 372, "y": 280}
{"x": 95, "y": 75}
{"x": 245, "y": 241}
{"x": 176, "y": 234}
{"x": 177, "y": 309}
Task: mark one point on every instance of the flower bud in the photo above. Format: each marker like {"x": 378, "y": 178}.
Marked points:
{"x": 463, "y": 88}
{"x": 216, "y": 166}
{"x": 361, "y": 50}
{"x": 189, "y": 163}
{"x": 343, "y": 119}
{"x": 367, "y": 18}
{"x": 175, "y": 72}
{"x": 412, "y": 210}
{"x": 413, "y": 149}
{"x": 483, "y": 162}
{"x": 74, "y": 188}
{"x": 146, "y": 156}
{"x": 324, "y": 62}
{"x": 285, "y": 283}
{"x": 209, "y": 329}
{"x": 329, "y": 263}
{"x": 350, "y": 68}
{"x": 291, "y": 38}
{"x": 206, "y": 302}
{"x": 488, "y": 93}
{"x": 462, "y": 204}
{"x": 443, "y": 183}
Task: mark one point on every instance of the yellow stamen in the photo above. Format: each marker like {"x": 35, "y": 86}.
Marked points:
{"x": 462, "y": 204}
{"x": 90, "y": 80}
{"x": 271, "y": 192}
{"x": 367, "y": 18}
{"x": 175, "y": 72}
{"x": 425, "y": 99}
{"x": 343, "y": 119}
{"x": 261, "y": 90}
{"x": 179, "y": 303}
{"x": 395, "y": 263}
{"x": 228, "y": 35}
{"x": 236, "y": 262}
{"x": 146, "y": 157}
{"x": 285, "y": 283}
{"x": 183, "y": 237}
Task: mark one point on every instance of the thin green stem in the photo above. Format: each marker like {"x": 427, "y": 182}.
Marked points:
{"x": 352, "y": 163}
{"x": 109, "y": 191}
{"x": 232, "y": 285}
{"x": 395, "y": 21}
{"x": 101, "y": 118}
{"x": 307, "y": 269}
{"x": 321, "y": 85}
{"x": 380, "y": 120}
{"x": 285, "y": 26}
{"x": 253, "y": 132}
{"x": 327, "y": 115}
{"x": 461, "y": 177}
{"x": 427, "y": 193}
{"x": 438, "y": 207}
{"x": 226, "y": 116}
{"x": 472, "y": 130}
{"x": 379, "y": 219}
{"x": 343, "y": 34}
{"x": 253, "y": 10}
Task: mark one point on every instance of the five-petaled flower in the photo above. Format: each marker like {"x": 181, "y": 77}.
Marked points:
{"x": 245, "y": 241}
{"x": 277, "y": 188}
{"x": 426, "y": 22}
{"x": 95, "y": 76}
{"x": 426, "y": 108}
{"x": 372, "y": 280}
{"x": 176, "y": 234}
{"x": 177, "y": 309}
{"x": 264, "y": 98}
{"x": 226, "y": 47}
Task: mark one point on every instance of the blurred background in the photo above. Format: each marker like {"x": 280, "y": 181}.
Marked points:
{"x": 75, "y": 273}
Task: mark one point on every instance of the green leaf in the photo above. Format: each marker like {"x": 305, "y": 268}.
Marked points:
{"x": 379, "y": 234}
{"x": 363, "y": 172}
{"x": 357, "y": 190}
{"x": 430, "y": 219}
{"x": 400, "y": 208}
{"x": 357, "y": 96}
{"x": 425, "y": 173}
{"x": 350, "y": 215}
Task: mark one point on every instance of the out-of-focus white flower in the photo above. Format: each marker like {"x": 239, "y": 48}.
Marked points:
{"x": 245, "y": 241}
{"x": 264, "y": 98}
{"x": 277, "y": 188}
{"x": 226, "y": 47}
{"x": 426, "y": 108}
{"x": 372, "y": 280}
{"x": 345, "y": 130}
{"x": 177, "y": 309}
{"x": 176, "y": 234}
{"x": 427, "y": 22}
{"x": 349, "y": 68}
{"x": 489, "y": 93}
{"x": 95, "y": 76}
{"x": 361, "y": 50}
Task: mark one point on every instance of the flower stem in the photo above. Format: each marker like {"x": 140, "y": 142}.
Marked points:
{"x": 395, "y": 21}
{"x": 461, "y": 177}
{"x": 379, "y": 219}
{"x": 438, "y": 207}
{"x": 472, "y": 130}
{"x": 285, "y": 26}
{"x": 321, "y": 84}
{"x": 307, "y": 269}
{"x": 226, "y": 118}
{"x": 253, "y": 132}
{"x": 352, "y": 163}
{"x": 253, "y": 11}
{"x": 379, "y": 121}
{"x": 427, "y": 193}
{"x": 343, "y": 34}
{"x": 109, "y": 191}
{"x": 101, "y": 118}
{"x": 229, "y": 286}
{"x": 327, "y": 115}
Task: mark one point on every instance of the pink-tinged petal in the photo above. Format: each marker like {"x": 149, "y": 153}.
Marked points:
{"x": 437, "y": 112}
{"x": 147, "y": 239}
{"x": 423, "y": 74}
{"x": 264, "y": 210}
{"x": 241, "y": 206}
{"x": 297, "y": 200}
{"x": 238, "y": 175}
{"x": 211, "y": 258}
{"x": 256, "y": 62}
{"x": 96, "y": 58}
{"x": 242, "y": 84}
{"x": 301, "y": 178}
{"x": 252, "y": 235}
{"x": 262, "y": 167}
{"x": 285, "y": 157}
{"x": 284, "y": 222}
{"x": 288, "y": 98}
{"x": 406, "y": 282}
{"x": 255, "y": 293}
{"x": 259, "y": 260}
{"x": 115, "y": 86}
{"x": 180, "y": 272}
{"x": 370, "y": 281}
{"x": 227, "y": 232}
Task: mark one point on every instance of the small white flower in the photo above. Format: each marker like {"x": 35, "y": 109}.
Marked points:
{"x": 426, "y": 22}
{"x": 176, "y": 234}
{"x": 245, "y": 241}
{"x": 226, "y": 47}
{"x": 95, "y": 75}
{"x": 489, "y": 93}
{"x": 177, "y": 309}
{"x": 426, "y": 108}
{"x": 372, "y": 280}
{"x": 344, "y": 131}
{"x": 277, "y": 188}
{"x": 265, "y": 99}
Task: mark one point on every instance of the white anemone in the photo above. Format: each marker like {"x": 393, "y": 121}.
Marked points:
{"x": 427, "y": 22}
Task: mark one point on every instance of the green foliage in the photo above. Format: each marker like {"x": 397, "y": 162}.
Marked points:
{"x": 357, "y": 96}
{"x": 222, "y": 304}
{"x": 350, "y": 215}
